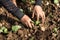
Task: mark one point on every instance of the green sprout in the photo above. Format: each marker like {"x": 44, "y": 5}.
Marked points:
{"x": 56, "y": 1}
{"x": 55, "y": 30}
{"x": 32, "y": 38}
{"x": 24, "y": 1}
{"x": 37, "y": 23}
{"x": 15, "y": 28}
{"x": 32, "y": 1}
{"x": 21, "y": 10}
{"x": 51, "y": 15}
{"x": 3, "y": 30}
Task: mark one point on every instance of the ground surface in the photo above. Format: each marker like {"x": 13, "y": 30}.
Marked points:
{"x": 52, "y": 21}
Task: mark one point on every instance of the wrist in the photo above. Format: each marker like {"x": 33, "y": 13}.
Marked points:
{"x": 38, "y": 7}
{"x": 24, "y": 17}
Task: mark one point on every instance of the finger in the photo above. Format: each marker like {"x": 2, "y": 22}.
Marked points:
{"x": 43, "y": 18}
{"x": 37, "y": 17}
{"x": 44, "y": 14}
{"x": 32, "y": 23}
{"x": 29, "y": 24}
{"x": 43, "y": 21}
{"x": 33, "y": 14}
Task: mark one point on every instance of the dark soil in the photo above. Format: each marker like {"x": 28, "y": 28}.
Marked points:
{"x": 52, "y": 13}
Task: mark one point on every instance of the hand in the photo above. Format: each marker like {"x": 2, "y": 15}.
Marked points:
{"x": 27, "y": 21}
{"x": 39, "y": 13}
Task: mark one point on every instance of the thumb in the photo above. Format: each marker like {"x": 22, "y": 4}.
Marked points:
{"x": 33, "y": 14}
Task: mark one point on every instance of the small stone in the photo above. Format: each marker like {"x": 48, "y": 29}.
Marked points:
{"x": 29, "y": 34}
{"x": 47, "y": 3}
{"x": 58, "y": 4}
{"x": 54, "y": 34}
{"x": 43, "y": 28}
{"x": 3, "y": 23}
{"x": 26, "y": 36}
{"x": 0, "y": 25}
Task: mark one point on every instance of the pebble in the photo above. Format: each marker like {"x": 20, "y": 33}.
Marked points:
{"x": 0, "y": 24}
{"x": 29, "y": 34}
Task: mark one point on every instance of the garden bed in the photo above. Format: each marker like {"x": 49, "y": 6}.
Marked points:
{"x": 52, "y": 24}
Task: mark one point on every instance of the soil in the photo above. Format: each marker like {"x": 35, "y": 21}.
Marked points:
{"x": 52, "y": 13}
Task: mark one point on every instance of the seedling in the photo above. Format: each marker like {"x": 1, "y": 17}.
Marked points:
{"x": 32, "y": 1}
{"x": 37, "y": 23}
{"x": 4, "y": 30}
{"x": 24, "y": 1}
{"x": 21, "y": 10}
{"x": 55, "y": 30}
{"x": 32, "y": 38}
{"x": 1, "y": 31}
{"x": 56, "y": 1}
{"x": 51, "y": 15}
{"x": 15, "y": 28}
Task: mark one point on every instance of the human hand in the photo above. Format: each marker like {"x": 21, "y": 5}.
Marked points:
{"x": 39, "y": 13}
{"x": 27, "y": 21}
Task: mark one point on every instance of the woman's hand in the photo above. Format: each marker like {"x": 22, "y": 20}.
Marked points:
{"x": 27, "y": 21}
{"x": 39, "y": 13}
